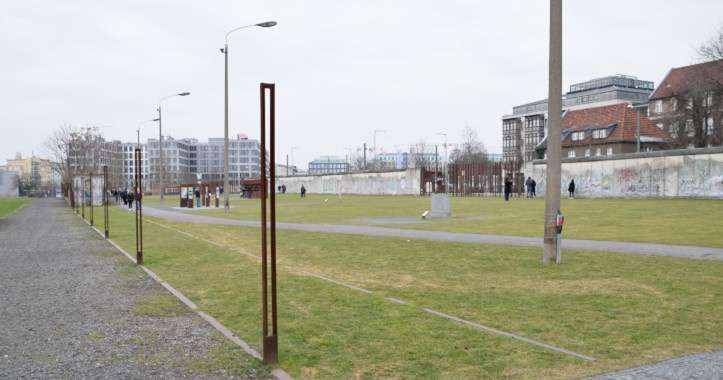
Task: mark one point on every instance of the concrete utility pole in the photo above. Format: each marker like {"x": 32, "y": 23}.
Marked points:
{"x": 552, "y": 191}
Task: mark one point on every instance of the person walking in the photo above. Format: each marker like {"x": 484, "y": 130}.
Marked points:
{"x": 508, "y": 188}
{"x": 533, "y": 187}
{"x": 303, "y": 191}
{"x": 571, "y": 189}
{"x": 528, "y": 187}
{"x": 130, "y": 201}
{"x": 198, "y": 198}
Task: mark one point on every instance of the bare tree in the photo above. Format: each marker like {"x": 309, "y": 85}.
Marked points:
{"x": 421, "y": 155}
{"x": 471, "y": 149}
{"x": 712, "y": 49}
{"x": 58, "y": 147}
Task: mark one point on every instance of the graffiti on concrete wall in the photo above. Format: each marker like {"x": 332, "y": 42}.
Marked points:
{"x": 383, "y": 183}
{"x": 689, "y": 175}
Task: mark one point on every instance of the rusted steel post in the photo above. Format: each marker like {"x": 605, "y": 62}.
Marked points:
{"x": 137, "y": 192}
{"x": 92, "y": 213}
{"x": 270, "y": 340}
{"x": 82, "y": 191}
{"x": 105, "y": 200}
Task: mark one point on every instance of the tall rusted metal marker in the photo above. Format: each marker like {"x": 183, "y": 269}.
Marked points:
{"x": 105, "y": 200}
{"x": 552, "y": 189}
{"x": 271, "y": 341}
{"x": 138, "y": 193}
{"x": 92, "y": 214}
{"x": 82, "y": 193}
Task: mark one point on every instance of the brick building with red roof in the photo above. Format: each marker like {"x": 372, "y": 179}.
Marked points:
{"x": 608, "y": 130}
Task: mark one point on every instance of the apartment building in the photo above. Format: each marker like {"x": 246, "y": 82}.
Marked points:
{"x": 329, "y": 165}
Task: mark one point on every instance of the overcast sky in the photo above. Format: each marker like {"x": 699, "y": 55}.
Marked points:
{"x": 343, "y": 68}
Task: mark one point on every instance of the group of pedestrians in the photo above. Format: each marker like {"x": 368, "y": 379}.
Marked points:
{"x": 531, "y": 188}
{"x": 125, "y": 196}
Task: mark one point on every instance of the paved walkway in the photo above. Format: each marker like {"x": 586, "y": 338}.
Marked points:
{"x": 688, "y": 252}
{"x": 67, "y": 309}
{"x": 706, "y": 366}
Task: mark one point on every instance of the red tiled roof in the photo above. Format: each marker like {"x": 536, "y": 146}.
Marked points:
{"x": 708, "y": 75}
{"x": 622, "y": 116}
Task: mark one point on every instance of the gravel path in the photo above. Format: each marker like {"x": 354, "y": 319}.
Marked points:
{"x": 706, "y": 366}
{"x": 73, "y": 307}
{"x": 688, "y": 252}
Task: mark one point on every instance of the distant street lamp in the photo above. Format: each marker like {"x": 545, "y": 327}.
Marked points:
{"x": 161, "y": 164}
{"x": 266, "y": 24}
{"x": 138, "y": 131}
{"x": 446, "y": 187}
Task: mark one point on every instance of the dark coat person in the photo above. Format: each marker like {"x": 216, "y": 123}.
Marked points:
{"x": 528, "y": 187}
{"x": 571, "y": 188}
{"x": 303, "y": 191}
{"x": 533, "y": 187}
{"x": 508, "y": 188}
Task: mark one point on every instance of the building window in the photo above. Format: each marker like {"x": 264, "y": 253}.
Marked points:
{"x": 658, "y": 106}
{"x": 578, "y": 136}
{"x": 610, "y": 151}
{"x": 571, "y": 153}
{"x": 659, "y": 125}
{"x": 598, "y": 152}
{"x": 689, "y": 128}
{"x": 599, "y": 133}
{"x": 674, "y": 104}
{"x": 587, "y": 152}
{"x": 709, "y": 126}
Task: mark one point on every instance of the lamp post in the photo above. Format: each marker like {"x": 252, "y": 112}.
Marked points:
{"x": 446, "y": 187}
{"x": 138, "y": 132}
{"x": 161, "y": 164}
{"x": 375, "y": 139}
{"x": 266, "y": 24}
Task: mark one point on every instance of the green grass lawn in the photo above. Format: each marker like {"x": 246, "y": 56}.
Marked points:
{"x": 8, "y": 206}
{"x": 623, "y": 310}
{"x": 667, "y": 221}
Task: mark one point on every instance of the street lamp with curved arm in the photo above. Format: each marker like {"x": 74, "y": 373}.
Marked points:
{"x": 224, "y": 50}
{"x": 138, "y": 130}
{"x": 160, "y": 138}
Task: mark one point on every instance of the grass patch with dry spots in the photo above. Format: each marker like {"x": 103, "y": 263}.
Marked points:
{"x": 624, "y": 310}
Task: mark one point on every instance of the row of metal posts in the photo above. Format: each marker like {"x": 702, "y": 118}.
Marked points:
{"x": 268, "y": 264}
{"x": 73, "y": 192}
